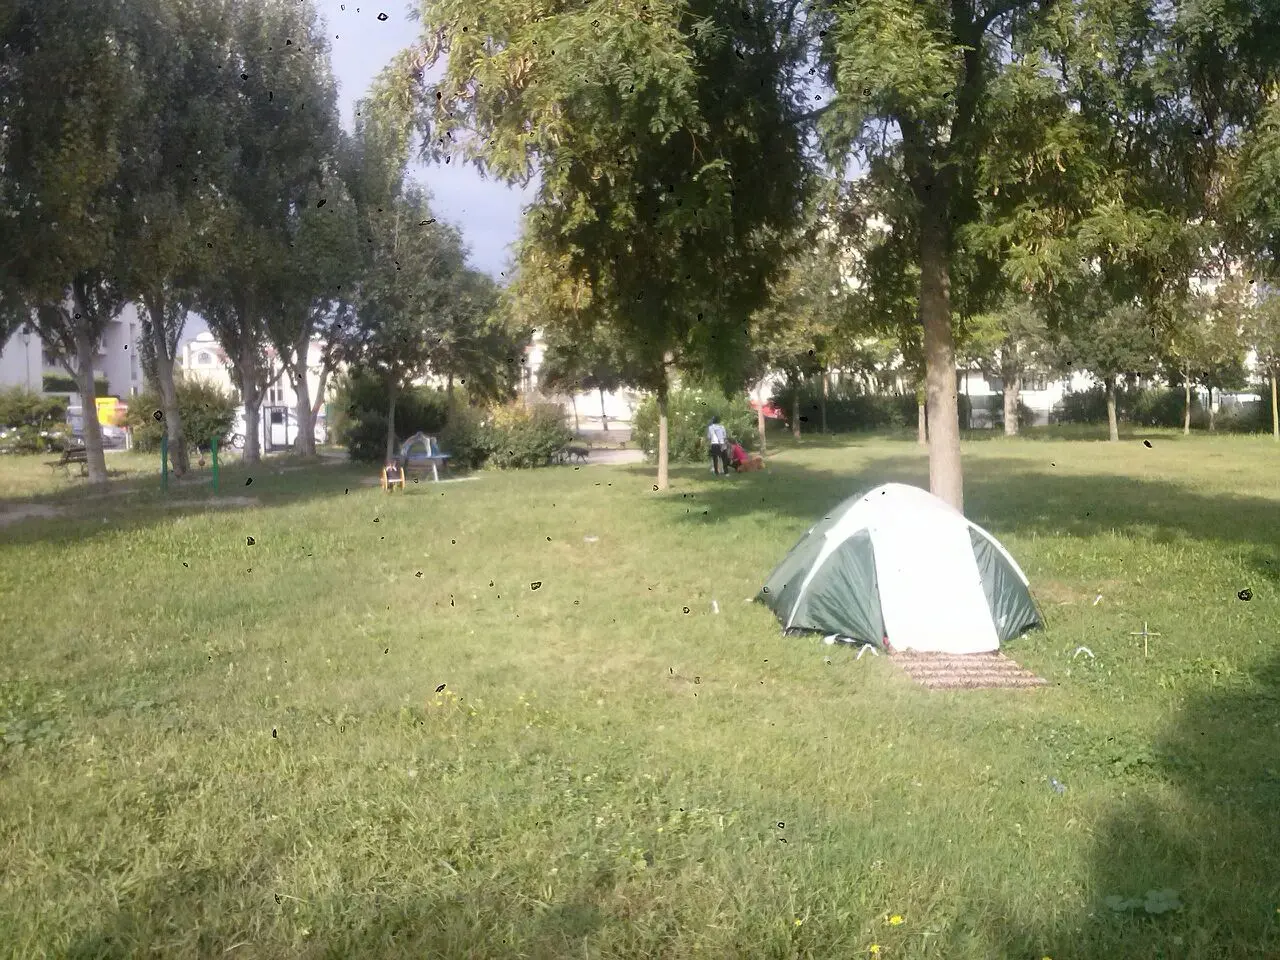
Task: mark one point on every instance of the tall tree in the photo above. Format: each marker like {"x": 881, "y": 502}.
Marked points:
{"x": 1109, "y": 339}
{"x": 1006, "y": 343}
{"x": 166, "y": 230}
{"x": 668, "y": 137}
{"x": 279, "y": 123}
{"x": 404, "y": 316}
{"x": 1208, "y": 343}
{"x": 980, "y": 109}
{"x": 1264, "y": 336}
{"x": 320, "y": 273}
{"x": 60, "y": 193}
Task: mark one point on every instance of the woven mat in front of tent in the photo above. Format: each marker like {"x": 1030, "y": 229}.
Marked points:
{"x": 971, "y": 671}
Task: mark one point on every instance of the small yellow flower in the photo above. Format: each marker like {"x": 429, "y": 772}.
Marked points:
{"x": 875, "y": 949}
{"x": 895, "y": 920}
{"x": 798, "y": 921}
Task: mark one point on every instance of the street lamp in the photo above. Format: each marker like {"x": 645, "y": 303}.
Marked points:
{"x": 26, "y": 352}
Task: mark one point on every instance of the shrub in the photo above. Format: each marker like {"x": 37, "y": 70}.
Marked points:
{"x": 465, "y": 438}
{"x": 1250, "y": 416}
{"x": 848, "y": 409}
{"x": 1155, "y": 407}
{"x": 366, "y": 438}
{"x": 20, "y": 407}
{"x": 519, "y": 436}
{"x": 689, "y": 411}
{"x": 207, "y": 411}
{"x": 65, "y": 383}
{"x": 32, "y": 423}
{"x": 360, "y": 421}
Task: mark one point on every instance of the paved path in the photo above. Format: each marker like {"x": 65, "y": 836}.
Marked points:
{"x": 610, "y": 457}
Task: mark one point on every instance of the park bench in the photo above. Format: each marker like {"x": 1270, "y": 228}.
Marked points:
{"x": 69, "y": 456}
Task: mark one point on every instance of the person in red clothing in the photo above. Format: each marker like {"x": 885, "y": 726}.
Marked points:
{"x": 742, "y": 461}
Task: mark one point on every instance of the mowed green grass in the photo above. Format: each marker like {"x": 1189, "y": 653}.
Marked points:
{"x": 499, "y": 718}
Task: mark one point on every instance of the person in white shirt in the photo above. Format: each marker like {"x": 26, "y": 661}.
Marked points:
{"x": 718, "y": 438}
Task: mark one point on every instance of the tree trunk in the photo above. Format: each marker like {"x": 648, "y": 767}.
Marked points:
{"x": 946, "y": 477}
{"x": 795, "y": 410}
{"x": 318, "y": 403}
{"x": 305, "y": 442}
{"x": 922, "y": 429}
{"x": 448, "y": 386}
{"x": 1012, "y": 392}
{"x": 391, "y": 423}
{"x": 1186, "y": 408}
{"x": 826, "y": 386}
{"x": 663, "y": 474}
{"x": 1275, "y": 410}
{"x": 1113, "y": 427}
{"x": 251, "y": 396}
{"x": 155, "y": 331}
{"x": 1211, "y": 411}
{"x": 83, "y": 375}
{"x": 604, "y": 414}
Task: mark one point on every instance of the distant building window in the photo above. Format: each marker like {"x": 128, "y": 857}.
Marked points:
{"x": 204, "y": 359}
{"x": 133, "y": 365}
{"x": 1035, "y": 384}
{"x": 49, "y": 359}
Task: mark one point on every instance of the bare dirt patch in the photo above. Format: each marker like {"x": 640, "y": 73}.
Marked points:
{"x": 219, "y": 502}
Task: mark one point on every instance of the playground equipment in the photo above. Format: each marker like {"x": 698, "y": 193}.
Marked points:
{"x": 418, "y": 452}
{"x": 392, "y": 475}
{"x": 164, "y": 462}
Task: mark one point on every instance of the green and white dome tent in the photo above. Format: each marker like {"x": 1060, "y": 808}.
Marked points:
{"x": 899, "y": 568}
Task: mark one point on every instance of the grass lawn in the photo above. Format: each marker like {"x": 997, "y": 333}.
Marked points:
{"x": 498, "y": 718}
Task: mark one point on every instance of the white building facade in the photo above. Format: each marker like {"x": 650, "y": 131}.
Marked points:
{"x": 25, "y": 362}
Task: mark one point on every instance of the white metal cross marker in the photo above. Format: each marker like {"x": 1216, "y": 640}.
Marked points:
{"x": 1144, "y": 635}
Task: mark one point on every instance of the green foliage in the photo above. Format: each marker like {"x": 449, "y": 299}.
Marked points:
{"x": 206, "y": 409}
{"x": 362, "y": 401}
{"x": 64, "y": 383}
{"x": 33, "y": 423}
{"x": 520, "y": 436}
{"x": 20, "y": 407}
{"x": 465, "y": 438}
{"x": 664, "y": 194}
{"x": 1159, "y": 407}
{"x": 689, "y": 413}
{"x": 1110, "y": 339}
{"x": 848, "y": 410}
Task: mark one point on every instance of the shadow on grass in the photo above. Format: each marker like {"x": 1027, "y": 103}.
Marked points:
{"x": 67, "y": 516}
{"x": 1005, "y": 495}
{"x": 1202, "y": 828}
{"x": 181, "y": 917}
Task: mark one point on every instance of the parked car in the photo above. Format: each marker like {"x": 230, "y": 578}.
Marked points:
{"x": 284, "y": 429}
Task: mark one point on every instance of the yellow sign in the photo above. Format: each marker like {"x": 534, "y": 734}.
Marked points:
{"x": 111, "y": 411}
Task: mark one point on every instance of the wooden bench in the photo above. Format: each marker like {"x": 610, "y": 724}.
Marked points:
{"x": 69, "y": 456}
